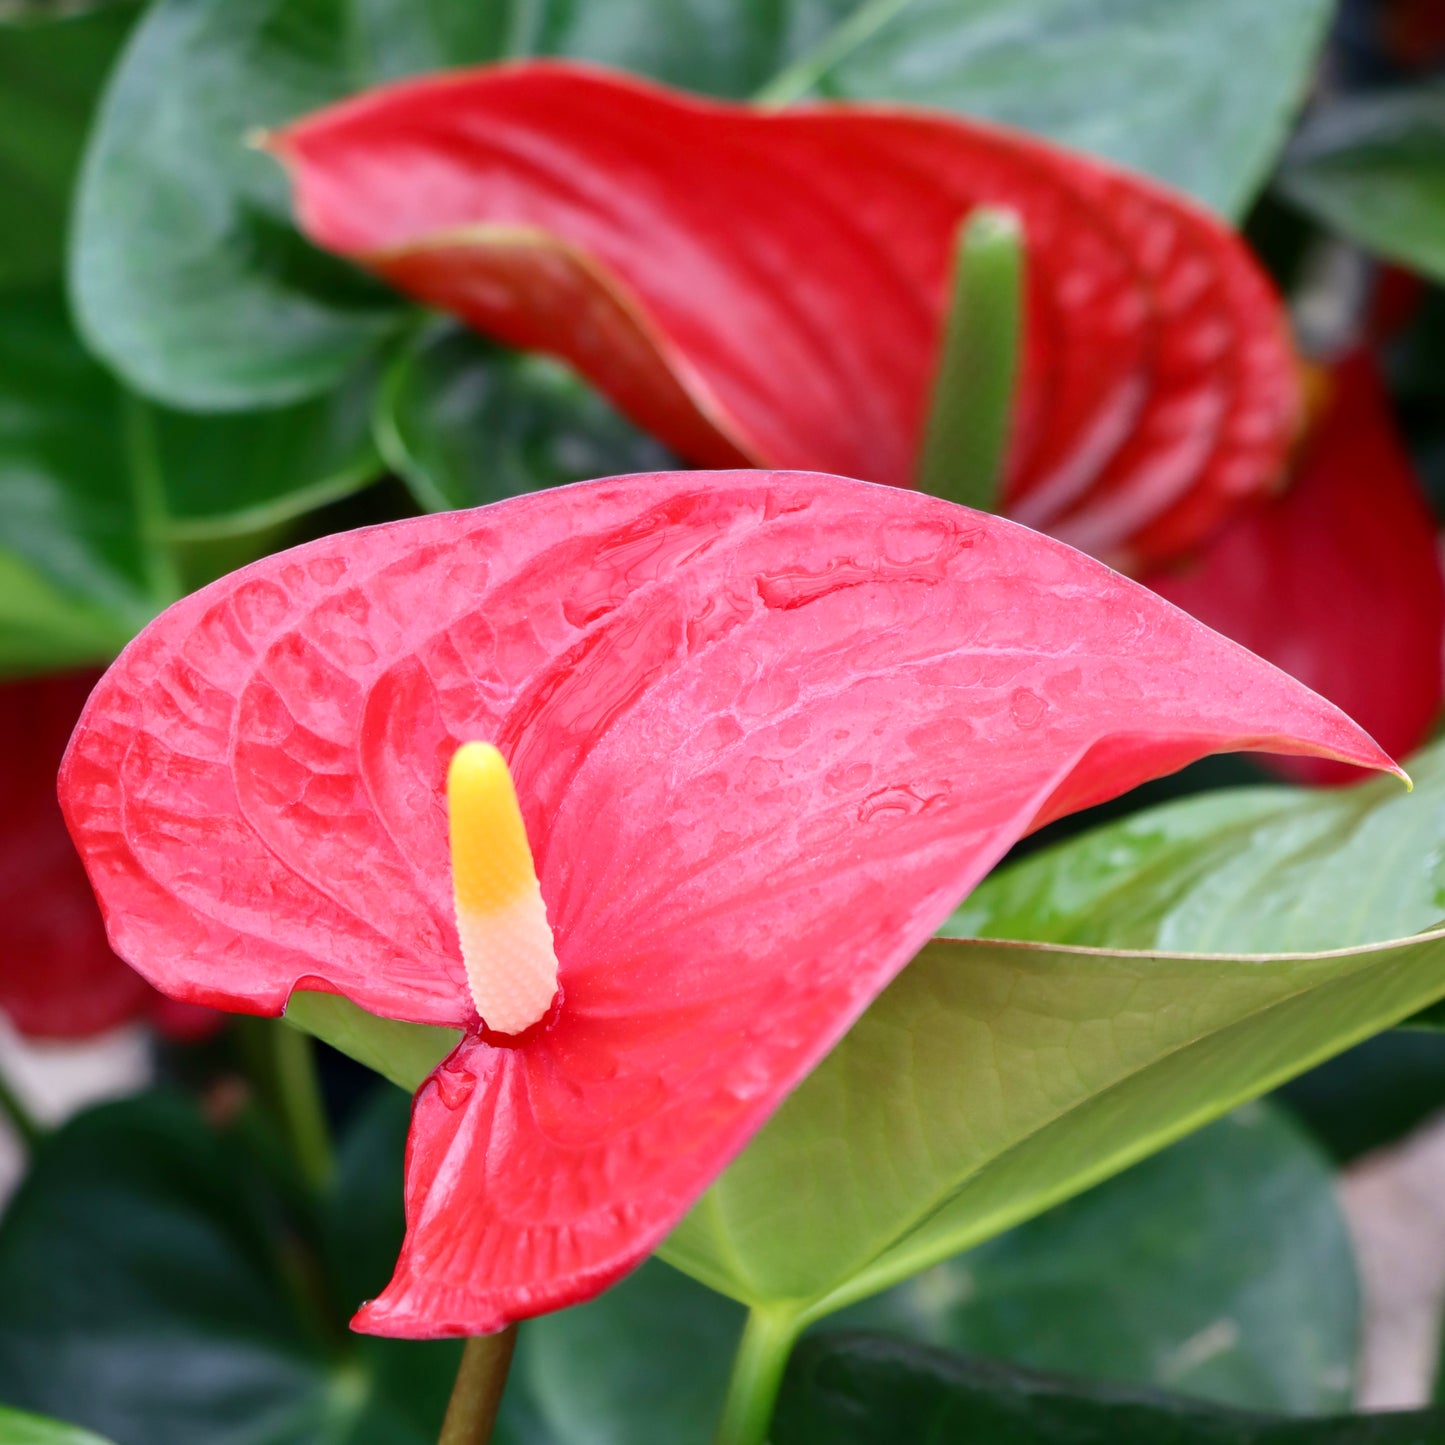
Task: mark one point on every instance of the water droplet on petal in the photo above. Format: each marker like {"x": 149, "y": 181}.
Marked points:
{"x": 455, "y": 1085}
{"x": 1027, "y": 709}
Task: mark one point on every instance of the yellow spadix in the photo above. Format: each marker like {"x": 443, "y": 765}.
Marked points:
{"x": 507, "y": 946}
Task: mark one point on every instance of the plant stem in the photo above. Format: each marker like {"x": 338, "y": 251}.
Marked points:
{"x": 15, "y": 1109}
{"x": 298, "y": 1096}
{"x": 968, "y": 422}
{"x": 757, "y": 1376}
{"x": 477, "y": 1394}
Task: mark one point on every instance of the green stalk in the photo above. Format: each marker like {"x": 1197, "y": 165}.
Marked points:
{"x": 973, "y": 392}
{"x": 298, "y": 1097}
{"x": 757, "y": 1376}
{"x": 477, "y": 1394}
{"x": 14, "y": 1108}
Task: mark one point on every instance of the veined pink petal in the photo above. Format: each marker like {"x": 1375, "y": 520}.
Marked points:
{"x": 766, "y": 731}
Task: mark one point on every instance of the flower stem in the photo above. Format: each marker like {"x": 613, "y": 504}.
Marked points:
{"x": 15, "y": 1109}
{"x": 967, "y": 435}
{"x": 477, "y": 1394}
{"x": 298, "y": 1096}
{"x": 757, "y": 1376}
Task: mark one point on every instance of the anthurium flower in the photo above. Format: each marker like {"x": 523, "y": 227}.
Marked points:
{"x": 722, "y": 749}
{"x": 768, "y": 287}
{"x": 59, "y": 978}
{"x": 1337, "y": 580}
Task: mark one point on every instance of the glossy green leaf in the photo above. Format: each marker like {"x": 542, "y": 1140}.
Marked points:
{"x": 864, "y": 1390}
{"x": 51, "y": 73}
{"x": 161, "y": 1289}
{"x": 1199, "y": 93}
{"x": 464, "y": 422}
{"x": 1373, "y": 168}
{"x": 23, "y": 1429}
{"x": 185, "y": 271}
{"x": 99, "y": 489}
{"x": 993, "y": 1079}
{"x": 1221, "y": 1268}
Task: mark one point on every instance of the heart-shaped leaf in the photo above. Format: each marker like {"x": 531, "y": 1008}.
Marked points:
{"x": 866, "y": 1390}
{"x": 863, "y": 697}
{"x": 1373, "y": 168}
{"x": 994, "y": 1079}
{"x": 99, "y": 488}
{"x": 466, "y": 422}
{"x": 671, "y": 284}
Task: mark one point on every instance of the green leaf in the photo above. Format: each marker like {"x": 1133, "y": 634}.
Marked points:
{"x": 403, "y": 1053}
{"x": 1199, "y": 93}
{"x": 862, "y": 1390}
{"x": 18, "y": 1429}
{"x": 185, "y": 271}
{"x": 51, "y": 72}
{"x": 1373, "y": 168}
{"x": 644, "y": 1364}
{"x": 993, "y": 1079}
{"x": 160, "y": 1289}
{"x": 465, "y": 422}
{"x": 98, "y": 489}
{"x": 1376, "y": 1093}
{"x": 1221, "y": 1267}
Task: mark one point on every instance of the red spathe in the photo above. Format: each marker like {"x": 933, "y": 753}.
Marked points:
{"x": 766, "y": 730}
{"x": 767, "y": 287}
{"x": 1337, "y": 580}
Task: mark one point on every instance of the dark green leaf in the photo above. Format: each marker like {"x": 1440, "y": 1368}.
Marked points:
{"x": 18, "y": 1429}
{"x": 863, "y": 1390}
{"x": 645, "y": 1364}
{"x": 1377, "y": 1092}
{"x": 1221, "y": 1267}
{"x": 98, "y": 489}
{"x": 465, "y": 422}
{"x": 160, "y": 1289}
{"x": 51, "y": 72}
{"x": 1373, "y": 167}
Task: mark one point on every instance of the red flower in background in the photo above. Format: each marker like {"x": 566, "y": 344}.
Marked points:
{"x": 766, "y": 730}
{"x": 768, "y": 287}
{"x": 59, "y": 978}
{"x": 1337, "y": 580}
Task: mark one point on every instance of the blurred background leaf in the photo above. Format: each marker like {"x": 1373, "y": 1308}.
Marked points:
{"x": 466, "y": 422}
{"x": 1372, "y": 167}
{"x": 102, "y": 493}
{"x": 51, "y": 72}
{"x": 866, "y": 1390}
{"x": 211, "y": 1309}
